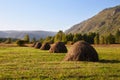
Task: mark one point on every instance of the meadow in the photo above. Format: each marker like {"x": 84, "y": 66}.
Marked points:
{"x": 27, "y": 63}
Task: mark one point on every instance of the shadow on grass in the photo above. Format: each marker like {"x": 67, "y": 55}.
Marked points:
{"x": 114, "y": 76}
{"x": 109, "y": 61}
{"x": 64, "y": 77}
{"x": 89, "y": 76}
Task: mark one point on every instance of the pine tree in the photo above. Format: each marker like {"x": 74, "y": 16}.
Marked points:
{"x": 117, "y": 36}
{"x": 8, "y": 41}
{"x": 49, "y": 39}
{"x": 102, "y": 40}
{"x": 60, "y": 36}
{"x": 96, "y": 39}
{"x": 69, "y": 37}
{"x": 77, "y": 37}
{"x": 110, "y": 39}
{"x": 20, "y": 42}
{"x": 33, "y": 39}
{"x": 41, "y": 40}
{"x": 64, "y": 38}
{"x": 26, "y": 38}
{"x": 90, "y": 37}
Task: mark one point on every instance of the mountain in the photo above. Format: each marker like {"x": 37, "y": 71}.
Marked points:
{"x": 21, "y": 34}
{"x": 104, "y": 22}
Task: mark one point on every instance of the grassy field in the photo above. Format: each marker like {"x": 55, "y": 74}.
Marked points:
{"x": 26, "y": 63}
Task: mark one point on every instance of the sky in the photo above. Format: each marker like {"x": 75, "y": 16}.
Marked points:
{"x": 48, "y": 15}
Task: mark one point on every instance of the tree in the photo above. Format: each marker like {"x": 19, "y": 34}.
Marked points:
{"x": 49, "y": 39}
{"x": 69, "y": 37}
{"x": 41, "y": 40}
{"x": 60, "y": 36}
{"x": 77, "y": 37}
{"x": 8, "y": 41}
{"x": 110, "y": 39}
{"x": 33, "y": 40}
{"x": 117, "y": 36}
{"x": 85, "y": 37}
{"x": 90, "y": 37}
{"x": 20, "y": 42}
{"x": 96, "y": 39}
{"x": 102, "y": 40}
{"x": 3, "y": 40}
{"x": 64, "y": 38}
{"x": 26, "y": 38}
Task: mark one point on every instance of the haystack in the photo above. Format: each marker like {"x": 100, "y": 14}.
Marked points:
{"x": 38, "y": 45}
{"x": 33, "y": 45}
{"x": 58, "y": 47}
{"x": 45, "y": 46}
{"x": 81, "y": 51}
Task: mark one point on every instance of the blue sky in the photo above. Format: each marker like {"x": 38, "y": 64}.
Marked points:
{"x": 48, "y": 15}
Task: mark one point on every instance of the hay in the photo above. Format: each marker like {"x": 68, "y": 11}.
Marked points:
{"x": 45, "y": 46}
{"x": 81, "y": 51}
{"x": 33, "y": 45}
{"x": 38, "y": 45}
{"x": 58, "y": 47}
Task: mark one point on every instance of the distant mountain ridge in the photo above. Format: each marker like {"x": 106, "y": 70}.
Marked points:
{"x": 107, "y": 21}
{"x": 21, "y": 34}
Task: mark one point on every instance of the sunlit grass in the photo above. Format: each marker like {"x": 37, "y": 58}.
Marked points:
{"x": 29, "y": 63}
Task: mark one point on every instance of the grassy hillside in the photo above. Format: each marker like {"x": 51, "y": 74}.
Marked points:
{"x": 33, "y": 64}
{"x": 106, "y": 21}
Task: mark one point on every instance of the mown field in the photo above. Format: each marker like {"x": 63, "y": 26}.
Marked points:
{"x": 26, "y": 63}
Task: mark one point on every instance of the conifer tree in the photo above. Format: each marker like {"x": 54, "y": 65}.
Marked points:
{"x": 110, "y": 39}
{"x": 33, "y": 39}
{"x": 77, "y": 37}
{"x": 117, "y": 36}
{"x": 102, "y": 40}
{"x": 69, "y": 37}
{"x": 96, "y": 39}
{"x": 60, "y": 36}
{"x": 26, "y": 38}
{"x": 8, "y": 41}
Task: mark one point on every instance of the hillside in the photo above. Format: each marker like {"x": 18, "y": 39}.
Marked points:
{"x": 106, "y": 21}
{"x": 21, "y": 34}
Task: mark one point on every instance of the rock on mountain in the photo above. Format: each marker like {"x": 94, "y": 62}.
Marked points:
{"x": 21, "y": 34}
{"x": 104, "y": 22}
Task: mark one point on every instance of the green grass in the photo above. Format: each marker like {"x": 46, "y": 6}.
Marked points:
{"x": 25, "y": 63}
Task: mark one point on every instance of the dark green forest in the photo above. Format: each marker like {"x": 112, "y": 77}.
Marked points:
{"x": 92, "y": 38}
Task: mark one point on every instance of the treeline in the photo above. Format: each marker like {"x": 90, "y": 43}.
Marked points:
{"x": 7, "y": 40}
{"x": 19, "y": 42}
{"x": 92, "y": 38}
{"x": 108, "y": 39}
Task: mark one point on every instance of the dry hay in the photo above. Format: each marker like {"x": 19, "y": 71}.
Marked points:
{"x": 58, "y": 47}
{"x": 81, "y": 51}
{"x": 38, "y": 45}
{"x": 45, "y": 46}
{"x": 33, "y": 45}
